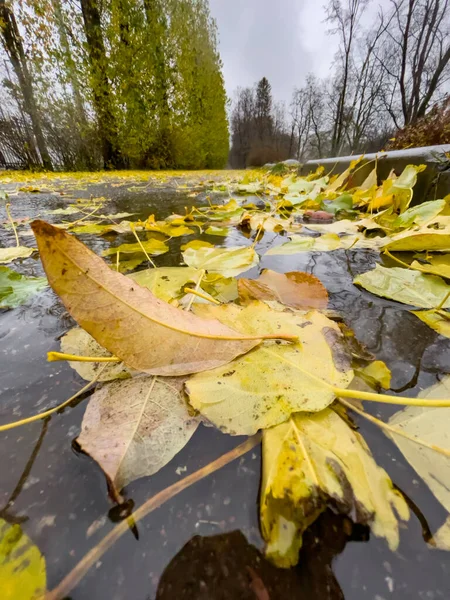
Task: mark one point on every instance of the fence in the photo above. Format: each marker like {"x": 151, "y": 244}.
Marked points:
{"x": 9, "y": 160}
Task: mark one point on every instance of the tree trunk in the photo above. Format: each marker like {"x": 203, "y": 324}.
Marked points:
{"x": 14, "y": 49}
{"x": 112, "y": 156}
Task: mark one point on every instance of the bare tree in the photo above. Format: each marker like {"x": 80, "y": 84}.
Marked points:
{"x": 415, "y": 57}
{"x": 345, "y": 17}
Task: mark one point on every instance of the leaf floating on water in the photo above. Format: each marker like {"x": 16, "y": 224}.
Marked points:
{"x": 152, "y": 247}
{"x": 196, "y": 244}
{"x": 405, "y": 285}
{"x": 229, "y": 262}
{"x": 437, "y": 320}
{"x": 7, "y": 255}
{"x": 433, "y": 237}
{"x": 133, "y": 428}
{"x": 220, "y": 231}
{"x": 166, "y": 283}
{"x": 376, "y": 373}
{"x": 304, "y": 243}
{"x": 435, "y": 265}
{"x": 22, "y": 566}
{"x": 128, "y": 320}
{"x": 79, "y": 343}
{"x": 264, "y": 387}
{"x": 441, "y": 539}
{"x": 17, "y": 289}
{"x": 311, "y": 460}
{"x": 432, "y": 425}
{"x": 296, "y": 289}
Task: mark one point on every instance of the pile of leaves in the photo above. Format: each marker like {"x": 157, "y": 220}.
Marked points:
{"x": 172, "y": 347}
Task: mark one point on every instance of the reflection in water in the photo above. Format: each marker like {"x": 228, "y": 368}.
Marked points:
{"x": 226, "y": 566}
{"x": 4, "y": 512}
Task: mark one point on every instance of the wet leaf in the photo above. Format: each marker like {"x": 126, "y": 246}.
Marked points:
{"x": 433, "y": 237}
{"x": 133, "y": 428}
{"x": 419, "y": 214}
{"x": 435, "y": 265}
{"x": 296, "y": 289}
{"x": 439, "y": 321}
{"x": 152, "y": 247}
{"x": 196, "y": 244}
{"x": 344, "y": 202}
{"x": 69, "y": 210}
{"x": 314, "y": 459}
{"x": 223, "y": 289}
{"x": 266, "y": 385}
{"x": 304, "y": 243}
{"x": 17, "y": 289}
{"x": 22, "y": 566}
{"x": 376, "y": 373}
{"x": 78, "y": 342}
{"x": 128, "y": 320}
{"x": 7, "y": 255}
{"x": 431, "y": 425}
{"x": 221, "y": 231}
{"x": 166, "y": 283}
{"x": 263, "y": 222}
{"x": 229, "y": 262}
{"x": 441, "y": 539}
{"x": 405, "y": 285}
{"x": 125, "y": 266}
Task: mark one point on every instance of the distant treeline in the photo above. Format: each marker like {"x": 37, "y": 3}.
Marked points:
{"x": 388, "y": 80}
{"x": 116, "y": 84}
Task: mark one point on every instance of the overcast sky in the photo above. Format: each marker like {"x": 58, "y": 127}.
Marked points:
{"x": 283, "y": 40}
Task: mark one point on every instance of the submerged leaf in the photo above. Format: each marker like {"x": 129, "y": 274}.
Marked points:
{"x": 314, "y": 459}
{"x": 128, "y": 320}
{"x": 296, "y": 289}
{"x": 405, "y": 285}
{"x": 22, "y": 566}
{"x": 17, "y": 289}
{"x": 229, "y": 262}
{"x": 376, "y": 373}
{"x": 265, "y": 386}
{"x": 133, "y": 428}
{"x": 7, "y": 255}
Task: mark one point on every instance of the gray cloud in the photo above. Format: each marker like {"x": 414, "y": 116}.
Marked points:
{"x": 282, "y": 41}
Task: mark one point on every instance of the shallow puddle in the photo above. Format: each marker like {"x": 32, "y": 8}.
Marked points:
{"x": 60, "y": 499}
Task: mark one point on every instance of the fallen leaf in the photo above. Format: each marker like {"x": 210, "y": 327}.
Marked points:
{"x": 433, "y": 237}
{"x": 441, "y": 539}
{"x": 79, "y": 343}
{"x": 17, "y": 289}
{"x": 420, "y": 214}
{"x": 432, "y": 425}
{"x": 221, "y": 231}
{"x": 196, "y": 244}
{"x": 128, "y": 320}
{"x": 265, "y": 386}
{"x": 229, "y": 262}
{"x": 438, "y": 321}
{"x": 313, "y": 459}
{"x": 133, "y": 428}
{"x": 152, "y": 247}
{"x": 405, "y": 285}
{"x": 69, "y": 210}
{"x": 304, "y": 243}
{"x": 166, "y": 283}
{"x": 376, "y": 373}
{"x": 296, "y": 289}
{"x": 22, "y": 566}
{"x": 7, "y": 255}
{"x": 435, "y": 265}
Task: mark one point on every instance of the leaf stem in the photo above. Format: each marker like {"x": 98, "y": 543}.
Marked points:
{"x": 55, "y": 356}
{"x": 141, "y": 245}
{"x": 94, "y": 555}
{"x": 395, "y": 430}
{"x": 49, "y": 412}
{"x": 195, "y": 292}
{"x": 7, "y": 205}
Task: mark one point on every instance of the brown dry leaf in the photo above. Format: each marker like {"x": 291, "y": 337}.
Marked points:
{"x": 296, "y": 289}
{"x": 128, "y": 320}
{"x": 133, "y": 428}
